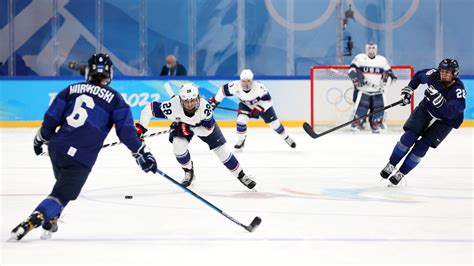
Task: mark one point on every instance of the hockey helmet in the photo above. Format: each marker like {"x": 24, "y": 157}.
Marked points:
{"x": 246, "y": 78}
{"x": 189, "y": 97}
{"x": 450, "y": 64}
{"x": 99, "y": 65}
{"x": 371, "y": 50}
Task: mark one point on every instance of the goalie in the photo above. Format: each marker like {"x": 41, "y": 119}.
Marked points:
{"x": 369, "y": 73}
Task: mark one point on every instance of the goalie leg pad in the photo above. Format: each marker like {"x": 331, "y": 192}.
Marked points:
{"x": 363, "y": 104}
{"x": 377, "y": 103}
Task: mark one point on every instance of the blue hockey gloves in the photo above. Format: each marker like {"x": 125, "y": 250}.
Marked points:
{"x": 145, "y": 159}
{"x": 38, "y": 143}
{"x": 434, "y": 96}
{"x": 406, "y": 94}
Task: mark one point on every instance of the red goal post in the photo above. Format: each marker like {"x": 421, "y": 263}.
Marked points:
{"x": 331, "y": 96}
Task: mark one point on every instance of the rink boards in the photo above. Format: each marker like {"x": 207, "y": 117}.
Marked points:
{"x": 24, "y": 101}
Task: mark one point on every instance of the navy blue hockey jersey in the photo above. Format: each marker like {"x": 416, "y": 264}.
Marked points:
{"x": 85, "y": 113}
{"x": 452, "y": 110}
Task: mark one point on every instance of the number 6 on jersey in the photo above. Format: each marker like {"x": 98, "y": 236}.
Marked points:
{"x": 79, "y": 114}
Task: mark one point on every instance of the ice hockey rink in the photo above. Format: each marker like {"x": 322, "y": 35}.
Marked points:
{"x": 320, "y": 203}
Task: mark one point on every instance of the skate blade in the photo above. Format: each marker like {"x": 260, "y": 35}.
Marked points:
{"x": 13, "y": 238}
{"x": 46, "y": 235}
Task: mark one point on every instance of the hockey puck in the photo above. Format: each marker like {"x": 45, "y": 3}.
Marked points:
{"x": 129, "y": 197}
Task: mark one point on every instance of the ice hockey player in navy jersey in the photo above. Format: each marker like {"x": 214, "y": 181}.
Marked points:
{"x": 369, "y": 73}
{"x": 255, "y": 102}
{"x": 74, "y": 128}
{"x": 441, "y": 110}
{"x": 192, "y": 115}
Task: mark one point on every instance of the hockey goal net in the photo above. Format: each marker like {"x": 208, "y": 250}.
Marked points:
{"x": 332, "y": 96}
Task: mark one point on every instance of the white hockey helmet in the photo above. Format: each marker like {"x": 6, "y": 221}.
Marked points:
{"x": 189, "y": 97}
{"x": 371, "y": 50}
{"x": 246, "y": 74}
{"x": 246, "y": 79}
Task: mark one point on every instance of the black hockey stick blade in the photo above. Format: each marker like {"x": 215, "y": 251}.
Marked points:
{"x": 308, "y": 129}
{"x": 254, "y": 224}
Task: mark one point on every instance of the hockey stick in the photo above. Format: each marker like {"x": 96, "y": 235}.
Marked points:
{"x": 307, "y": 127}
{"x": 234, "y": 110}
{"x": 118, "y": 142}
{"x": 144, "y": 136}
{"x": 251, "y": 227}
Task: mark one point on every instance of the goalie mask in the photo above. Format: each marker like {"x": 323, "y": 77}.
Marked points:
{"x": 371, "y": 50}
{"x": 189, "y": 97}
{"x": 246, "y": 79}
{"x": 99, "y": 65}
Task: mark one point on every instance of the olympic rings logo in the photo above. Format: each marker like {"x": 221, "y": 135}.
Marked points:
{"x": 300, "y": 26}
{"x": 382, "y": 26}
{"x": 330, "y": 9}
{"x": 342, "y": 101}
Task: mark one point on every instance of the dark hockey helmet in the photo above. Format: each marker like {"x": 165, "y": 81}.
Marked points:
{"x": 100, "y": 65}
{"x": 450, "y": 64}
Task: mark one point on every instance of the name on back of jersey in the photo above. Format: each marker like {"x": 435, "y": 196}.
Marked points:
{"x": 99, "y": 91}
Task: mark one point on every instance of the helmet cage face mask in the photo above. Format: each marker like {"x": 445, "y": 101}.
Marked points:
{"x": 371, "y": 50}
{"x": 246, "y": 85}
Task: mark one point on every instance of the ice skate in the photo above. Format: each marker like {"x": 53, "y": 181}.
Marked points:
{"x": 188, "y": 176}
{"x": 49, "y": 228}
{"x": 396, "y": 178}
{"x": 245, "y": 179}
{"x": 290, "y": 142}
{"x": 35, "y": 220}
{"x": 376, "y": 127}
{"x": 357, "y": 126}
{"x": 240, "y": 144}
{"x": 387, "y": 170}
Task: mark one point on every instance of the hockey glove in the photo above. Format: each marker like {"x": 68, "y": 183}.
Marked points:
{"x": 256, "y": 111}
{"x": 393, "y": 80}
{"x": 181, "y": 129}
{"x": 213, "y": 103}
{"x": 406, "y": 94}
{"x": 38, "y": 143}
{"x": 434, "y": 96}
{"x": 140, "y": 130}
{"x": 145, "y": 159}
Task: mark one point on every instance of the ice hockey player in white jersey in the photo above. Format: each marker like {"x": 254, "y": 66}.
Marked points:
{"x": 192, "y": 115}
{"x": 255, "y": 102}
{"x": 369, "y": 73}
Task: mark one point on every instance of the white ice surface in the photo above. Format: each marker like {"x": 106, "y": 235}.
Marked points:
{"x": 322, "y": 202}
